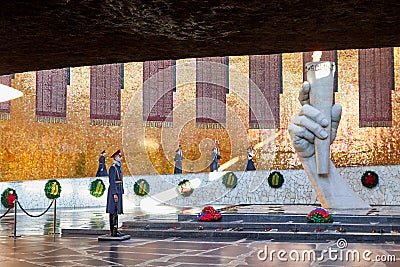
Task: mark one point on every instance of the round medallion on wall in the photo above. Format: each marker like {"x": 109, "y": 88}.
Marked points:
{"x": 229, "y": 180}
{"x": 97, "y": 188}
{"x": 185, "y": 188}
{"x": 141, "y": 187}
{"x": 275, "y": 179}
{"x": 52, "y": 189}
{"x": 370, "y": 179}
{"x": 7, "y": 197}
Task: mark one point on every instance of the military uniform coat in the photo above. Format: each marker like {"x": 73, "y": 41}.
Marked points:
{"x": 215, "y": 156}
{"x": 178, "y": 162}
{"x": 250, "y": 164}
{"x": 115, "y": 187}
{"x": 102, "y": 170}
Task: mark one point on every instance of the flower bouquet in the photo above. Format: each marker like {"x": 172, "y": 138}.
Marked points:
{"x": 319, "y": 215}
{"x": 209, "y": 214}
{"x": 11, "y": 198}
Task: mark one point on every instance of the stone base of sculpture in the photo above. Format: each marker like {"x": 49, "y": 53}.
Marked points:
{"x": 333, "y": 192}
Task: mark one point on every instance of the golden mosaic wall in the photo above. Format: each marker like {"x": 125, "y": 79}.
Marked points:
{"x": 32, "y": 150}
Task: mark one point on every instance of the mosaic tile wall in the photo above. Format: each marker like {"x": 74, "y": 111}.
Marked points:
{"x": 252, "y": 188}
{"x": 31, "y": 150}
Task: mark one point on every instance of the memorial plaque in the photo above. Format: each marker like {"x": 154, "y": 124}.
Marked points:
{"x": 158, "y": 88}
{"x": 376, "y": 82}
{"x": 51, "y": 95}
{"x": 264, "y": 91}
{"x": 5, "y": 107}
{"x": 105, "y": 94}
{"x": 211, "y": 88}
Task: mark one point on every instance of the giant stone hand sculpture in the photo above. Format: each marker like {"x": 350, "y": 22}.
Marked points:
{"x": 332, "y": 190}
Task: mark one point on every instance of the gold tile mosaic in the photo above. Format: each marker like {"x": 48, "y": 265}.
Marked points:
{"x": 32, "y": 150}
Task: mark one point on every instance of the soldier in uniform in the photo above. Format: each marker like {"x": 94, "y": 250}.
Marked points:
{"x": 215, "y": 157}
{"x": 178, "y": 160}
{"x": 250, "y": 164}
{"x": 115, "y": 192}
{"x": 102, "y": 169}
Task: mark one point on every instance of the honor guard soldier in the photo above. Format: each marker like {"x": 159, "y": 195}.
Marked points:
{"x": 115, "y": 192}
{"x": 102, "y": 169}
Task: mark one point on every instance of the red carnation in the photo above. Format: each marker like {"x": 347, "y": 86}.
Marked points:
{"x": 10, "y": 199}
{"x": 369, "y": 179}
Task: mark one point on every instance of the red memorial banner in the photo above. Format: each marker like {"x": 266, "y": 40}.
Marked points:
{"x": 330, "y": 55}
{"x": 158, "y": 88}
{"x": 51, "y": 96}
{"x": 212, "y": 82}
{"x": 376, "y": 82}
{"x": 105, "y": 94}
{"x": 5, "y": 107}
{"x": 265, "y": 86}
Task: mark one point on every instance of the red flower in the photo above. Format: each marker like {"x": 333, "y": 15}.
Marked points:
{"x": 209, "y": 214}
{"x": 369, "y": 179}
{"x": 10, "y": 199}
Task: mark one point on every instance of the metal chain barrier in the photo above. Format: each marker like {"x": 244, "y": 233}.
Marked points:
{"x": 30, "y": 215}
{"x": 7, "y": 211}
{"x": 35, "y": 216}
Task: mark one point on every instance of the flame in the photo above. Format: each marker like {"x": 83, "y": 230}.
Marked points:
{"x": 316, "y": 56}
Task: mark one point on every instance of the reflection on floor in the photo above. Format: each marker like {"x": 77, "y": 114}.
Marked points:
{"x": 36, "y": 247}
{"x": 62, "y": 251}
{"x": 97, "y": 219}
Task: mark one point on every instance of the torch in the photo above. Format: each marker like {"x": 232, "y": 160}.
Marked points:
{"x": 320, "y": 75}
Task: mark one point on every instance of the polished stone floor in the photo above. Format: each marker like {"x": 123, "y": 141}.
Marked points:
{"x": 81, "y": 218}
{"x": 87, "y": 251}
{"x": 35, "y": 245}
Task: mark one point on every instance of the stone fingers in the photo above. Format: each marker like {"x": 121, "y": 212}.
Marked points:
{"x": 313, "y": 120}
{"x": 301, "y": 140}
{"x": 304, "y": 97}
{"x": 336, "y": 116}
{"x": 297, "y": 131}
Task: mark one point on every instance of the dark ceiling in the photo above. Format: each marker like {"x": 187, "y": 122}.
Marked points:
{"x": 44, "y": 34}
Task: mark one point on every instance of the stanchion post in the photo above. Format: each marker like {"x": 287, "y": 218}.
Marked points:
{"x": 54, "y": 217}
{"x": 15, "y": 219}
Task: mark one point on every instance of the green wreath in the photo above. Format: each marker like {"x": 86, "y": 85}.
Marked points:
{"x": 185, "y": 188}
{"x": 229, "y": 180}
{"x": 97, "y": 188}
{"x": 141, "y": 187}
{"x": 370, "y": 179}
{"x": 5, "y": 194}
{"x": 275, "y": 179}
{"x": 52, "y": 189}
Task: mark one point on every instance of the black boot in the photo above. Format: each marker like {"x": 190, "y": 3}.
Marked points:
{"x": 115, "y": 229}
{"x": 114, "y": 223}
{"x": 112, "y": 226}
